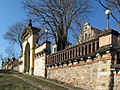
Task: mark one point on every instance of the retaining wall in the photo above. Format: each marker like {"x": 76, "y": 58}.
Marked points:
{"x": 91, "y": 75}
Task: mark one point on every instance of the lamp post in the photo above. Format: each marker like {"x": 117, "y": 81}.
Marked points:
{"x": 107, "y": 12}
{"x": 46, "y": 31}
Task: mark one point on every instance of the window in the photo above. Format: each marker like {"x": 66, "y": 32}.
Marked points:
{"x": 55, "y": 49}
{"x": 85, "y": 36}
{"x": 85, "y": 28}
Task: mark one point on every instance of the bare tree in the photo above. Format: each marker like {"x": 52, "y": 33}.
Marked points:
{"x": 3, "y": 59}
{"x": 76, "y": 32}
{"x": 114, "y": 6}
{"x": 10, "y": 52}
{"x": 13, "y": 35}
{"x": 57, "y": 15}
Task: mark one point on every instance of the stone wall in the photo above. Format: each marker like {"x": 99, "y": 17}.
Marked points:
{"x": 20, "y": 64}
{"x": 20, "y": 68}
{"x": 16, "y": 68}
{"x": 116, "y": 82}
{"x": 92, "y": 74}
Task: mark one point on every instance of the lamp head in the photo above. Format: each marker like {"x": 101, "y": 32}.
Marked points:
{"x": 46, "y": 30}
{"x": 107, "y": 12}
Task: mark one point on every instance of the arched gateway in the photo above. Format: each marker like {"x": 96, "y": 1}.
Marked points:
{"x": 29, "y": 38}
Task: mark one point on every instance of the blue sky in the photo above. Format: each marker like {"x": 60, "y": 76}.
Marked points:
{"x": 11, "y": 11}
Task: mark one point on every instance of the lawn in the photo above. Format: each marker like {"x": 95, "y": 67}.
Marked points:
{"x": 7, "y": 82}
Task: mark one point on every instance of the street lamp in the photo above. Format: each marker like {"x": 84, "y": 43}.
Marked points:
{"x": 107, "y": 12}
{"x": 46, "y": 31}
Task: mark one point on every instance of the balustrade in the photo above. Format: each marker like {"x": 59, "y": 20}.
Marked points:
{"x": 73, "y": 52}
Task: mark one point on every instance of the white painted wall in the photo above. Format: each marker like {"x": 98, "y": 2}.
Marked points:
{"x": 39, "y": 66}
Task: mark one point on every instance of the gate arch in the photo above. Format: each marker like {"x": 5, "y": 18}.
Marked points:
{"x": 27, "y": 58}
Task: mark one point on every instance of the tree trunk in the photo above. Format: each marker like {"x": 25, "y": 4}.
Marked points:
{"x": 61, "y": 44}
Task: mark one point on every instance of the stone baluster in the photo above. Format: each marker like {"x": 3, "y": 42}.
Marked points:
{"x": 91, "y": 47}
{"x": 72, "y": 53}
{"x": 55, "y": 58}
{"x": 115, "y": 62}
{"x": 61, "y": 57}
{"x": 68, "y": 55}
{"x": 88, "y": 49}
{"x": 76, "y": 52}
{"x": 95, "y": 45}
{"x": 83, "y": 49}
{"x": 80, "y": 51}
{"x": 47, "y": 60}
